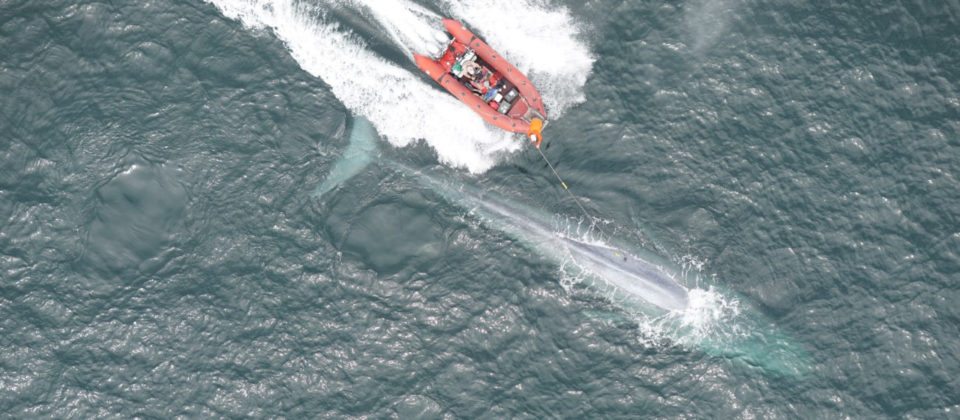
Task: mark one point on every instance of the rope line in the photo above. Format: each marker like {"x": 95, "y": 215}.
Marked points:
{"x": 564, "y": 184}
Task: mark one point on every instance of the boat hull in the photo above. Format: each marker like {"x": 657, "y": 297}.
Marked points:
{"x": 529, "y": 105}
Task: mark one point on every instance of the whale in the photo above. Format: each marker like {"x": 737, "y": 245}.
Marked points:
{"x": 694, "y": 313}
{"x": 634, "y": 277}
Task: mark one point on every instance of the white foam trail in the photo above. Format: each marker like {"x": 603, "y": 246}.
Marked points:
{"x": 412, "y": 27}
{"x": 401, "y": 105}
{"x": 541, "y": 39}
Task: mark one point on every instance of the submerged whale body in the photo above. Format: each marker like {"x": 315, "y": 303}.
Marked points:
{"x": 637, "y": 278}
{"x": 630, "y": 274}
{"x": 638, "y": 285}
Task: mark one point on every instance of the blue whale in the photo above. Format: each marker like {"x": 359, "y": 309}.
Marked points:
{"x": 636, "y": 278}
{"x": 640, "y": 285}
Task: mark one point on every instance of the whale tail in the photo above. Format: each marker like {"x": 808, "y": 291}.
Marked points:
{"x": 360, "y": 152}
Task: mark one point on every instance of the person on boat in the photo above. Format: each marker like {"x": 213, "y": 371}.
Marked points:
{"x": 491, "y": 91}
{"x": 471, "y": 69}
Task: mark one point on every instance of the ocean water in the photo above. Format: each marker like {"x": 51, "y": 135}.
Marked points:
{"x": 197, "y": 217}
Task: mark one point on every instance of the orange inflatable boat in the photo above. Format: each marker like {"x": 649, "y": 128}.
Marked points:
{"x": 478, "y": 76}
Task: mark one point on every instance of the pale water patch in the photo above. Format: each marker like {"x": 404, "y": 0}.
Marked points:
{"x": 707, "y": 21}
{"x": 139, "y": 217}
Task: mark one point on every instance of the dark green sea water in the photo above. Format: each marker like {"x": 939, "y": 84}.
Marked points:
{"x": 164, "y": 251}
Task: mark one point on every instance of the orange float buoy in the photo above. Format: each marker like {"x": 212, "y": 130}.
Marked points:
{"x": 533, "y": 132}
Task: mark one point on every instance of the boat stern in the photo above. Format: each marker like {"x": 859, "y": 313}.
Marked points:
{"x": 428, "y": 66}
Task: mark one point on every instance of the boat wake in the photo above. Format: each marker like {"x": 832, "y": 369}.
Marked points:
{"x": 411, "y": 26}
{"x": 402, "y": 105}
